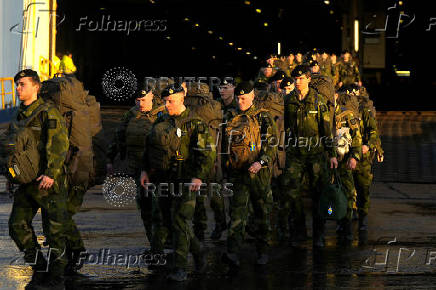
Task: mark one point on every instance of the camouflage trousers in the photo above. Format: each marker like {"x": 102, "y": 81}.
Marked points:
{"x": 254, "y": 189}
{"x": 200, "y": 216}
{"x": 27, "y": 200}
{"x": 298, "y": 169}
{"x": 173, "y": 215}
{"x": 362, "y": 180}
{"x": 144, "y": 203}
{"x": 74, "y": 203}
{"x": 346, "y": 177}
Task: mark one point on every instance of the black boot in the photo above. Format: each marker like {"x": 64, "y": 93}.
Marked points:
{"x": 344, "y": 232}
{"x": 363, "y": 229}
{"x": 39, "y": 267}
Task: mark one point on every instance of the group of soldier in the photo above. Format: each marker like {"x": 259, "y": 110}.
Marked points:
{"x": 301, "y": 125}
{"x": 288, "y": 133}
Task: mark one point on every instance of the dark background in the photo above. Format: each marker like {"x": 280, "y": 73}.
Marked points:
{"x": 183, "y": 49}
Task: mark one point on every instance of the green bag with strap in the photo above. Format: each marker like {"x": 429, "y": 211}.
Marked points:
{"x": 333, "y": 202}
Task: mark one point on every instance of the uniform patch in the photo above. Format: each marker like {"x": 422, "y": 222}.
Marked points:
{"x": 353, "y": 121}
{"x": 313, "y": 112}
{"x": 52, "y": 123}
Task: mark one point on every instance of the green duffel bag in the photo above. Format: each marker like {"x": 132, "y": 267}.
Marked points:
{"x": 333, "y": 202}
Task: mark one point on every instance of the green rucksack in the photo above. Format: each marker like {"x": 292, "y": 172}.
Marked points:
{"x": 19, "y": 151}
{"x": 69, "y": 97}
{"x": 333, "y": 202}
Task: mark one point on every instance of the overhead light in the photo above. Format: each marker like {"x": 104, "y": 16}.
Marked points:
{"x": 230, "y": 43}
{"x": 239, "y": 48}
{"x": 254, "y": 57}
{"x": 193, "y": 48}
{"x": 326, "y": 2}
{"x": 258, "y": 10}
{"x": 279, "y": 48}
{"x": 356, "y": 35}
{"x": 247, "y": 2}
{"x": 332, "y": 12}
{"x": 196, "y": 24}
{"x": 168, "y": 37}
{"x": 210, "y": 32}
{"x": 213, "y": 56}
{"x": 403, "y": 73}
{"x": 186, "y": 19}
{"x": 220, "y": 38}
{"x": 265, "y": 24}
{"x": 102, "y": 8}
{"x": 248, "y": 53}
{"x": 400, "y": 3}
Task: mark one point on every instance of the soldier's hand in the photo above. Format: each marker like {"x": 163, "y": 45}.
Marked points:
{"x": 46, "y": 182}
{"x": 380, "y": 158}
{"x": 109, "y": 169}
{"x": 351, "y": 164}
{"x": 255, "y": 167}
{"x": 196, "y": 183}
{"x": 144, "y": 179}
{"x": 365, "y": 149}
{"x": 333, "y": 163}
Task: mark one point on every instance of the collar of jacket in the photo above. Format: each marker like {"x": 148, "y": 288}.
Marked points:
{"x": 249, "y": 111}
{"x": 310, "y": 97}
{"x": 26, "y": 111}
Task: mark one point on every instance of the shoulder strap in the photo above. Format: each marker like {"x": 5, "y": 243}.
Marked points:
{"x": 34, "y": 114}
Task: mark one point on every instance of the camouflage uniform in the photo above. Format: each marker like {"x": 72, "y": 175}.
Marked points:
{"x": 348, "y": 72}
{"x": 345, "y": 119}
{"x": 175, "y": 213}
{"x": 129, "y": 140}
{"x": 307, "y": 122}
{"x": 254, "y": 188}
{"x": 53, "y": 144}
{"x": 326, "y": 67}
{"x": 363, "y": 175}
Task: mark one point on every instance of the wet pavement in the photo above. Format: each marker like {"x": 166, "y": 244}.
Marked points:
{"x": 401, "y": 253}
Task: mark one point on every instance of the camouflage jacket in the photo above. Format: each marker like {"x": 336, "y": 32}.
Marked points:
{"x": 370, "y": 136}
{"x": 308, "y": 124}
{"x": 53, "y": 141}
{"x": 196, "y": 146}
{"x": 348, "y": 72}
{"x": 128, "y": 140}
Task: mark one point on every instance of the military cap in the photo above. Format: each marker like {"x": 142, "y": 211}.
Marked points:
{"x": 228, "y": 81}
{"x": 172, "y": 89}
{"x": 312, "y": 63}
{"x": 260, "y": 85}
{"x": 27, "y": 73}
{"x": 279, "y": 75}
{"x": 286, "y": 82}
{"x": 243, "y": 88}
{"x": 300, "y": 70}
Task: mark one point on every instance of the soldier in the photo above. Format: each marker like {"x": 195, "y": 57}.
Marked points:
{"x": 265, "y": 73}
{"x": 309, "y": 133}
{"x": 275, "y": 81}
{"x": 349, "y": 149}
{"x": 249, "y": 168}
{"x": 299, "y": 58}
{"x": 326, "y": 65}
{"x": 227, "y": 93}
{"x": 48, "y": 191}
{"x": 129, "y": 141}
{"x": 348, "y": 71}
{"x": 291, "y": 64}
{"x": 178, "y": 150}
{"x": 371, "y": 147}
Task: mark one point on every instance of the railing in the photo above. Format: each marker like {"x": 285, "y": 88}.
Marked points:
{"x": 4, "y": 93}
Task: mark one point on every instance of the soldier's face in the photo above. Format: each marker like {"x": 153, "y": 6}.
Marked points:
{"x": 174, "y": 103}
{"x": 227, "y": 91}
{"x": 302, "y": 83}
{"x": 27, "y": 90}
{"x": 347, "y": 57}
{"x": 315, "y": 69}
{"x": 245, "y": 101}
{"x": 324, "y": 55}
{"x": 267, "y": 72}
{"x": 146, "y": 102}
{"x": 299, "y": 57}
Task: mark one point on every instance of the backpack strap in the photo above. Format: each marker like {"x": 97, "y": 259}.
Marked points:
{"x": 35, "y": 113}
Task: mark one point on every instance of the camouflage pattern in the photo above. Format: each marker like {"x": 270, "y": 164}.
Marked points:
{"x": 53, "y": 144}
{"x": 326, "y": 67}
{"x": 363, "y": 176}
{"x": 130, "y": 140}
{"x": 254, "y": 188}
{"x": 307, "y": 120}
{"x": 348, "y": 72}
{"x": 175, "y": 213}
{"x": 345, "y": 174}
